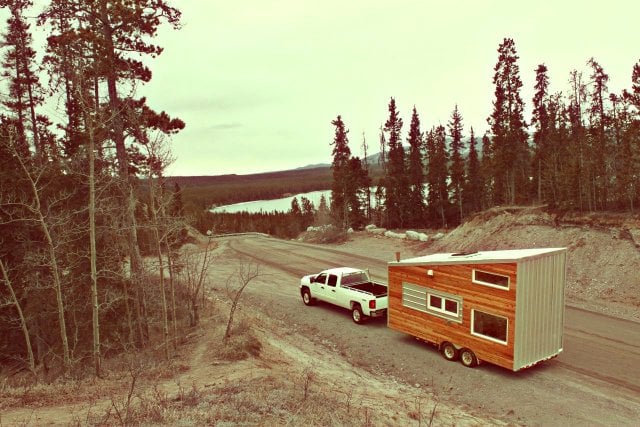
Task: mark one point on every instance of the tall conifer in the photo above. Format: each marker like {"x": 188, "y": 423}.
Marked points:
{"x": 510, "y": 146}
{"x": 396, "y": 184}
{"x": 457, "y": 163}
{"x": 416, "y": 205}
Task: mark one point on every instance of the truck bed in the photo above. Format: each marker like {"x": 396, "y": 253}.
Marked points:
{"x": 376, "y": 289}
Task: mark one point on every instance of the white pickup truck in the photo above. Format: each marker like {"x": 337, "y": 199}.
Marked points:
{"x": 349, "y": 288}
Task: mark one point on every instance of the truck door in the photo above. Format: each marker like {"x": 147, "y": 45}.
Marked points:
{"x": 319, "y": 286}
{"x": 330, "y": 289}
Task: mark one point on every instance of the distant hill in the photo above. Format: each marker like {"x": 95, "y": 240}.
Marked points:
{"x": 209, "y": 191}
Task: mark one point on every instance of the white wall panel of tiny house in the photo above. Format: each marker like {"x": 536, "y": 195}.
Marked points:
{"x": 539, "y": 308}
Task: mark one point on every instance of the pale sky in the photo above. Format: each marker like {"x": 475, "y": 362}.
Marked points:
{"x": 258, "y": 83}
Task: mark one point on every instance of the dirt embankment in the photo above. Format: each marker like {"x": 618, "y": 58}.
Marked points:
{"x": 603, "y": 265}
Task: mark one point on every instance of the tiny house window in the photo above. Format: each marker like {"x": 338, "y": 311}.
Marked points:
{"x": 490, "y": 279}
{"x": 489, "y": 326}
{"x": 446, "y": 306}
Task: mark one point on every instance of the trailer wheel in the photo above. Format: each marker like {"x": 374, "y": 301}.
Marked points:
{"x": 448, "y": 351}
{"x": 306, "y": 297}
{"x": 468, "y": 358}
{"x": 357, "y": 315}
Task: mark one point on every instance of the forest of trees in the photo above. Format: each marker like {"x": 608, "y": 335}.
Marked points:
{"x": 82, "y": 193}
{"x": 579, "y": 151}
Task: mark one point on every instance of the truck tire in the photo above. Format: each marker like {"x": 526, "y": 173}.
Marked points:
{"x": 448, "y": 351}
{"x": 357, "y": 315}
{"x": 306, "y": 297}
{"x": 468, "y": 358}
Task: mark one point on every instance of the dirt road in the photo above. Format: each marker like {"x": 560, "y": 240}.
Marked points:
{"x": 596, "y": 380}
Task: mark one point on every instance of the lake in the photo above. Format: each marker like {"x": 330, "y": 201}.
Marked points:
{"x": 280, "y": 205}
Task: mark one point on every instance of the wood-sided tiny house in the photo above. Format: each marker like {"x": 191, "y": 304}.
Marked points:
{"x": 503, "y": 307}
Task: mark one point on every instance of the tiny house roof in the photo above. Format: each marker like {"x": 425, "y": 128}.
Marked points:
{"x": 504, "y": 256}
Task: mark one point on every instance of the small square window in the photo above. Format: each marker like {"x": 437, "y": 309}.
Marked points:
{"x": 435, "y": 302}
{"x": 451, "y": 306}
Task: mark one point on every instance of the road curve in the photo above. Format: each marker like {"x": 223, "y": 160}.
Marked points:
{"x": 596, "y": 380}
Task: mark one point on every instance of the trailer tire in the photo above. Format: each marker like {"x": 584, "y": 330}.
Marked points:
{"x": 468, "y": 358}
{"x": 449, "y": 351}
{"x": 306, "y": 297}
{"x": 357, "y": 315}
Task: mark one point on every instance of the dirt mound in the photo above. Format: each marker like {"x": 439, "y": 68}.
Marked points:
{"x": 603, "y": 255}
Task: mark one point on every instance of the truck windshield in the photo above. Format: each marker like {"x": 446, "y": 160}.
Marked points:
{"x": 355, "y": 277}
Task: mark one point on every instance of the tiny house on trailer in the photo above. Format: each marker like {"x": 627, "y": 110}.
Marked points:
{"x": 503, "y": 307}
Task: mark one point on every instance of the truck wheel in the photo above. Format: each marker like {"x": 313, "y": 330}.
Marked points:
{"x": 448, "y": 351}
{"x": 468, "y": 358}
{"x": 306, "y": 297}
{"x": 357, "y": 315}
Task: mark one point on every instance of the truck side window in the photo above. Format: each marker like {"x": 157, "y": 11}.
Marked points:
{"x": 321, "y": 278}
{"x": 333, "y": 279}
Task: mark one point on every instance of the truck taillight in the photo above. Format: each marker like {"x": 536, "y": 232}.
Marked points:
{"x": 372, "y": 304}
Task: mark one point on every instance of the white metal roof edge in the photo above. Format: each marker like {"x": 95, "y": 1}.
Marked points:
{"x": 482, "y": 257}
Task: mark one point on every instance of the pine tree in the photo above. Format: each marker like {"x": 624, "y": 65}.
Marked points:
{"x": 340, "y": 166}
{"x": 416, "y": 206}
{"x": 540, "y": 121}
{"x": 25, "y": 91}
{"x": 457, "y": 163}
{"x": 598, "y": 118}
{"x": 510, "y": 146}
{"x": 487, "y": 172}
{"x": 396, "y": 183}
{"x": 437, "y": 175}
{"x": 473, "y": 191}
{"x": 580, "y": 163}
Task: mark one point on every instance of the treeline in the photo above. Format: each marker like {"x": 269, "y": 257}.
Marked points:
{"x": 286, "y": 225}
{"x": 579, "y": 151}
{"x": 73, "y": 215}
{"x": 208, "y": 191}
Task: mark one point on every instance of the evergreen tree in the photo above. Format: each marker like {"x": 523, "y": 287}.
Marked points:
{"x": 323, "y": 215}
{"x": 457, "y": 163}
{"x": 510, "y": 146}
{"x": 359, "y": 183}
{"x": 487, "y": 172}
{"x": 308, "y": 211}
{"x": 598, "y": 119}
{"x": 541, "y": 123}
{"x": 580, "y": 164}
{"x": 25, "y": 91}
{"x": 396, "y": 183}
{"x": 340, "y": 166}
{"x": 416, "y": 205}
{"x": 437, "y": 175}
{"x": 473, "y": 191}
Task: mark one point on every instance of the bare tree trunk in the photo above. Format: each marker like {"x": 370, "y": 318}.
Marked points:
{"x": 135, "y": 258}
{"x": 156, "y": 234}
{"x": 246, "y": 273}
{"x": 23, "y": 323}
{"x": 53, "y": 259}
{"x": 93, "y": 255}
{"x": 172, "y": 288}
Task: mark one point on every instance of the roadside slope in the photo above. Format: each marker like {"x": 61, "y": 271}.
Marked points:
{"x": 603, "y": 250}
